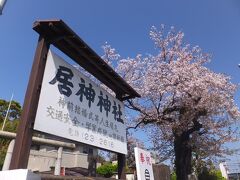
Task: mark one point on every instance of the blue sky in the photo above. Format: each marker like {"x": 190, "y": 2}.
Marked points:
{"x": 214, "y": 25}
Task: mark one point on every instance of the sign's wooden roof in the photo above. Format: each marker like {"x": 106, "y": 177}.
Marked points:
{"x": 66, "y": 40}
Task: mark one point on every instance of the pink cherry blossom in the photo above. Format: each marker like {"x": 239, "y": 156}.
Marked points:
{"x": 185, "y": 106}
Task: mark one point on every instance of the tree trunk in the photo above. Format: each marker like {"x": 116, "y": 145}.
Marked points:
{"x": 183, "y": 156}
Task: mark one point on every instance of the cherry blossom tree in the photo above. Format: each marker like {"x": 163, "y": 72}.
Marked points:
{"x": 184, "y": 106}
{"x": 132, "y": 142}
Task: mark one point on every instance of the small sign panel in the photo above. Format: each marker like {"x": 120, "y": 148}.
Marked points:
{"x": 74, "y": 107}
{"x": 143, "y": 164}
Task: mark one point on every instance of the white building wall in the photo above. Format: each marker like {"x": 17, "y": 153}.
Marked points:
{"x": 45, "y": 158}
{"x": 223, "y": 170}
{"x": 42, "y": 161}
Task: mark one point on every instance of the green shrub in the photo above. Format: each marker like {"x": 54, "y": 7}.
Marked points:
{"x": 210, "y": 175}
{"x": 173, "y": 176}
{"x": 107, "y": 170}
{"x": 218, "y": 174}
{"x": 205, "y": 175}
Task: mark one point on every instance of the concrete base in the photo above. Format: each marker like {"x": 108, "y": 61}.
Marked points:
{"x": 19, "y": 174}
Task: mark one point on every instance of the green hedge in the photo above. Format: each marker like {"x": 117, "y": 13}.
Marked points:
{"x": 107, "y": 170}
{"x": 205, "y": 175}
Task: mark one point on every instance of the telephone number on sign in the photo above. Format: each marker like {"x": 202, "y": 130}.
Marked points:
{"x": 99, "y": 140}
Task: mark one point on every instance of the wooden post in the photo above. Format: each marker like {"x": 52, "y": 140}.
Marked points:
{"x": 91, "y": 162}
{"x": 121, "y": 157}
{"x": 25, "y": 129}
{"x": 121, "y": 166}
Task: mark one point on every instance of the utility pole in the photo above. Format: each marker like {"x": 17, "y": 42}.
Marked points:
{"x": 2, "y": 4}
{"x": 5, "y": 119}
